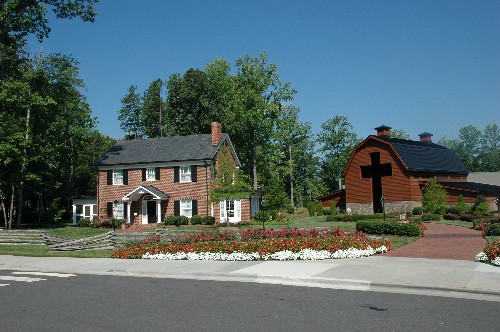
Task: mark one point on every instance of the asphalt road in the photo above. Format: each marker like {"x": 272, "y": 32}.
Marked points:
{"x": 105, "y": 303}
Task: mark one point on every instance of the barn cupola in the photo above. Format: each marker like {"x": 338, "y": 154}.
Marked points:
{"x": 383, "y": 131}
{"x": 425, "y": 137}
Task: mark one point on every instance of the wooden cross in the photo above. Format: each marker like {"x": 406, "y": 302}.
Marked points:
{"x": 376, "y": 171}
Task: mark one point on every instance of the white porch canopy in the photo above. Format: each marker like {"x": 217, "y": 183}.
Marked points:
{"x": 138, "y": 193}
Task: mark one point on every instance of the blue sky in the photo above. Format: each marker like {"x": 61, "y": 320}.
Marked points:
{"x": 413, "y": 65}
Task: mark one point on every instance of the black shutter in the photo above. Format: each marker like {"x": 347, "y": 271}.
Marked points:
{"x": 194, "y": 207}
{"x": 157, "y": 173}
{"x": 177, "y": 208}
{"x": 143, "y": 174}
{"x": 109, "y": 209}
{"x": 194, "y": 174}
{"x": 125, "y": 215}
{"x": 125, "y": 176}
{"x": 110, "y": 177}
{"x": 176, "y": 174}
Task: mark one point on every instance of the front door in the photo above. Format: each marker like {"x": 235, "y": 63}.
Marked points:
{"x": 149, "y": 214}
{"x": 230, "y": 211}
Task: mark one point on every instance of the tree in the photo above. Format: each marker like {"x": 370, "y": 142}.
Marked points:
{"x": 230, "y": 182}
{"x": 255, "y": 108}
{"x": 479, "y": 151}
{"x": 130, "y": 114}
{"x": 153, "y": 114}
{"x": 434, "y": 197}
{"x": 399, "y": 133}
{"x": 337, "y": 142}
{"x": 20, "y": 18}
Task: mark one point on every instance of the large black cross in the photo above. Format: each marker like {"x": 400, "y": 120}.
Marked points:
{"x": 376, "y": 171}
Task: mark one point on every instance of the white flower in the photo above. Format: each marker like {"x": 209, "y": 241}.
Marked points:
{"x": 482, "y": 257}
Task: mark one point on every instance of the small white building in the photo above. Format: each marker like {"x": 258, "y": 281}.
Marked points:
{"x": 84, "y": 207}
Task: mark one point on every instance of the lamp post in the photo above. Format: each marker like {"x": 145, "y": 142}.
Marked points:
{"x": 263, "y": 212}
{"x": 382, "y": 201}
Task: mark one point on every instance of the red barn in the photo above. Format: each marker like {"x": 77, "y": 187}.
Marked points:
{"x": 392, "y": 172}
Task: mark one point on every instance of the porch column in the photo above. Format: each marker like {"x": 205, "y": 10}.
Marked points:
{"x": 128, "y": 211}
{"x": 74, "y": 214}
{"x": 158, "y": 211}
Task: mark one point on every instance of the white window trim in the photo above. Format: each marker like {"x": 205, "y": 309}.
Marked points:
{"x": 185, "y": 171}
{"x": 150, "y": 174}
{"x": 118, "y": 177}
{"x": 186, "y": 205}
{"x": 237, "y": 211}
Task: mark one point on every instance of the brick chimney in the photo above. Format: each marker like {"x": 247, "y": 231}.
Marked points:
{"x": 383, "y": 131}
{"x": 216, "y": 133}
{"x": 425, "y": 137}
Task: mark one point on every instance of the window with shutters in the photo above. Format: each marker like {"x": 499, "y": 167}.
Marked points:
{"x": 185, "y": 173}
{"x": 150, "y": 174}
{"x": 117, "y": 176}
{"x": 118, "y": 210}
{"x": 186, "y": 208}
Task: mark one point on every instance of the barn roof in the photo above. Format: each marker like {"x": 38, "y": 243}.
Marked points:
{"x": 164, "y": 149}
{"x": 420, "y": 156}
{"x": 427, "y": 157}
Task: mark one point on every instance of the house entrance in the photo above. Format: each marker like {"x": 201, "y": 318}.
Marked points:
{"x": 149, "y": 213}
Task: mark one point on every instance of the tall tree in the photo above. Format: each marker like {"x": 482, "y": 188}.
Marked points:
{"x": 337, "y": 142}
{"x": 479, "y": 151}
{"x": 20, "y": 18}
{"x": 130, "y": 114}
{"x": 256, "y": 108}
{"x": 153, "y": 114}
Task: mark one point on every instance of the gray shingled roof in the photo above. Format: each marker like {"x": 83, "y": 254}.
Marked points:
{"x": 164, "y": 149}
{"x": 427, "y": 157}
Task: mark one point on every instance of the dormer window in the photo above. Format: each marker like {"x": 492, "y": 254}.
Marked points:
{"x": 185, "y": 173}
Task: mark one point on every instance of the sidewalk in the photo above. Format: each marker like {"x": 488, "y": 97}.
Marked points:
{"x": 434, "y": 277}
{"x": 444, "y": 242}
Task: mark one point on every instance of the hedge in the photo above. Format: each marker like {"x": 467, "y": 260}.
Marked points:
{"x": 393, "y": 228}
{"x": 357, "y": 217}
{"x": 202, "y": 220}
{"x": 431, "y": 216}
{"x": 176, "y": 220}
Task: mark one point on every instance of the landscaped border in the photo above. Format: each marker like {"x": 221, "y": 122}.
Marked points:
{"x": 254, "y": 244}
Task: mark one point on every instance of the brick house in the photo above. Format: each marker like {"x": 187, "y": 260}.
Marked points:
{"x": 143, "y": 181}
{"x": 390, "y": 173}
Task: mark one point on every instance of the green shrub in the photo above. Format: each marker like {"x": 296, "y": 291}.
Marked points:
{"x": 333, "y": 209}
{"x": 480, "y": 206}
{"x": 493, "y": 230}
{"x": 319, "y": 209}
{"x": 197, "y": 220}
{"x": 312, "y": 209}
{"x": 83, "y": 223}
{"x": 208, "y": 220}
{"x": 431, "y": 216}
{"x": 393, "y": 228}
{"x": 266, "y": 215}
{"x": 417, "y": 210}
{"x": 461, "y": 207}
{"x": 176, "y": 220}
{"x": 451, "y": 216}
{"x": 434, "y": 197}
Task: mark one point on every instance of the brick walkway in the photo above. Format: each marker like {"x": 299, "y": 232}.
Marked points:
{"x": 444, "y": 242}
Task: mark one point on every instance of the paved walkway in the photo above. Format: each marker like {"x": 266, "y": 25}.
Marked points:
{"x": 444, "y": 242}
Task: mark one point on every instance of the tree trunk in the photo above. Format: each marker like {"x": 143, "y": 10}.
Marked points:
{"x": 254, "y": 165}
{"x": 291, "y": 175}
{"x": 20, "y": 203}
{"x": 11, "y": 212}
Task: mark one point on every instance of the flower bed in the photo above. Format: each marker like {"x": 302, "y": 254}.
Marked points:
{"x": 490, "y": 254}
{"x": 260, "y": 245}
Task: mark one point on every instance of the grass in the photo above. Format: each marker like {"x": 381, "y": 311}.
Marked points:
{"x": 43, "y": 251}
{"x": 75, "y": 232}
{"x": 461, "y": 223}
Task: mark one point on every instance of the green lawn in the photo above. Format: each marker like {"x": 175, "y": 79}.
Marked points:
{"x": 466, "y": 224}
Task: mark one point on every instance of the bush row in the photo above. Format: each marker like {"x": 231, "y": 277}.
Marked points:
{"x": 356, "y": 217}
{"x": 393, "y": 228}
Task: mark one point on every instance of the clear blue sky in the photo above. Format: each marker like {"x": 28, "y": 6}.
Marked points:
{"x": 413, "y": 65}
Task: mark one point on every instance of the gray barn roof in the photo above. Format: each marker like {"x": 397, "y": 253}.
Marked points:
{"x": 428, "y": 157}
{"x": 164, "y": 149}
